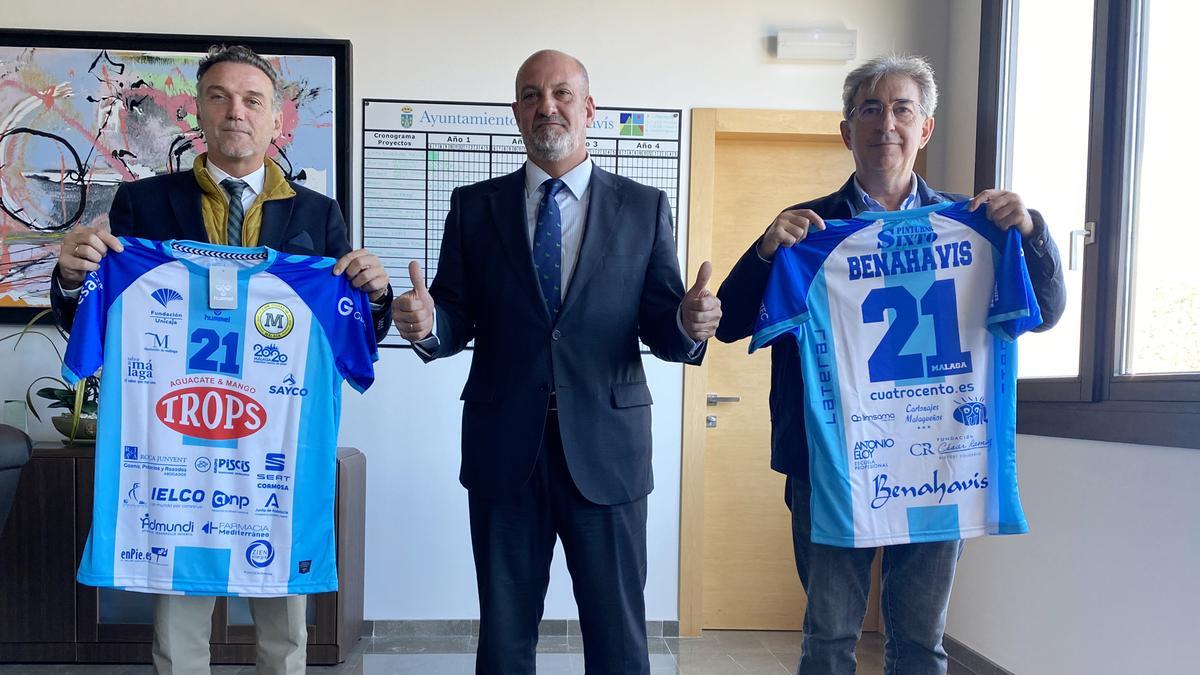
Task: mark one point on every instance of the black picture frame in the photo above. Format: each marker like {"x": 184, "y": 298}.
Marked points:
{"x": 339, "y": 50}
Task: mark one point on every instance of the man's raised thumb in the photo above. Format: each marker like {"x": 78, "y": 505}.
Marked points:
{"x": 702, "y": 278}
{"x": 414, "y": 275}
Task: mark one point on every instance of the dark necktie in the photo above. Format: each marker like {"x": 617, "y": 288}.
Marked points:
{"x": 547, "y": 247}
{"x": 234, "y": 188}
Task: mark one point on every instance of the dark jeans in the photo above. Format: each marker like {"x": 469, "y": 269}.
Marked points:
{"x": 916, "y": 592}
{"x": 605, "y": 546}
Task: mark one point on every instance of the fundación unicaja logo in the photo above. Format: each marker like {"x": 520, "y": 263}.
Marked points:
{"x": 406, "y": 117}
{"x": 165, "y": 296}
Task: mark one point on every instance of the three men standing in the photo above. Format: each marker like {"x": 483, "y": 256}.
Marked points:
{"x": 558, "y": 273}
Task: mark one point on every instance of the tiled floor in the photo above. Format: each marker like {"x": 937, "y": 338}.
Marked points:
{"x": 716, "y": 653}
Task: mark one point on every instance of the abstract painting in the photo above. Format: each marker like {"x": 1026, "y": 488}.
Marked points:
{"x": 82, "y": 112}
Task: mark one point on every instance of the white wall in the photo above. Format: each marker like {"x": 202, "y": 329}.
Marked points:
{"x": 951, "y": 153}
{"x": 674, "y": 53}
{"x": 1107, "y": 580}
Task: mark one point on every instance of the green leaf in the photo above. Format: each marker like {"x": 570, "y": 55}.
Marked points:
{"x": 28, "y": 330}
{"x": 56, "y": 393}
{"x": 29, "y": 397}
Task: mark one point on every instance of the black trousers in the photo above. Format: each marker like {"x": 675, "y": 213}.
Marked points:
{"x": 513, "y": 540}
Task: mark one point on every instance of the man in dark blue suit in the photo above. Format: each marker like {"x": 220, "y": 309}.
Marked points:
{"x": 888, "y": 105}
{"x": 556, "y": 271}
{"x": 232, "y": 196}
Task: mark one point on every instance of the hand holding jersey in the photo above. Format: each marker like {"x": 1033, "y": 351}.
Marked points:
{"x": 788, "y": 229}
{"x": 1005, "y": 209}
{"x": 365, "y": 272}
{"x": 84, "y": 247}
{"x": 81, "y": 251}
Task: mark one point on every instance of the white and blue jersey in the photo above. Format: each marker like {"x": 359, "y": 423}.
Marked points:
{"x": 906, "y": 324}
{"x": 216, "y": 449}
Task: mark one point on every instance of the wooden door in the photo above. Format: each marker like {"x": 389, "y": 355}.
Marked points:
{"x": 761, "y": 163}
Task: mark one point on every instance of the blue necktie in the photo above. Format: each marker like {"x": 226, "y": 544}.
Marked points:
{"x": 547, "y": 247}
{"x": 235, "y": 188}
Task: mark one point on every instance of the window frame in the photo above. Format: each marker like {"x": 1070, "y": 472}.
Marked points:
{"x": 1098, "y": 404}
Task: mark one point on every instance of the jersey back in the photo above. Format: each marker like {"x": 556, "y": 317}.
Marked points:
{"x": 218, "y": 420}
{"x": 906, "y": 323}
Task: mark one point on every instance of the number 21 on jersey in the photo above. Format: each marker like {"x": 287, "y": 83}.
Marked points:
{"x": 887, "y": 363}
{"x": 212, "y": 352}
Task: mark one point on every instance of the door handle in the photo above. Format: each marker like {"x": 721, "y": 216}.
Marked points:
{"x": 713, "y": 399}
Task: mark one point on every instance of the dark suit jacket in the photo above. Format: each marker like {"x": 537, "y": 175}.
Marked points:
{"x": 168, "y": 207}
{"x": 741, "y": 295}
{"x": 626, "y": 286}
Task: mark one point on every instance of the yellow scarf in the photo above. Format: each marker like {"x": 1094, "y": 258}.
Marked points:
{"x": 214, "y": 202}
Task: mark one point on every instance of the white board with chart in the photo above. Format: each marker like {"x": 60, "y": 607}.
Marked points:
{"x": 414, "y": 153}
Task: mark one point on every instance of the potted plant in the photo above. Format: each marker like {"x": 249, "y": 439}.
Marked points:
{"x": 78, "y": 424}
{"x": 80, "y": 402}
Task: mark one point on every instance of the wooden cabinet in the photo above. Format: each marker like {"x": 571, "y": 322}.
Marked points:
{"x": 46, "y": 617}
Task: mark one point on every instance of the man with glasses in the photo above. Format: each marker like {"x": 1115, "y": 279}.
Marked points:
{"x": 888, "y": 106}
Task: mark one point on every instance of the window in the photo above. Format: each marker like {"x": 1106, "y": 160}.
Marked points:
{"x": 1160, "y": 299}
{"x": 1062, "y": 31}
{"x": 1083, "y": 110}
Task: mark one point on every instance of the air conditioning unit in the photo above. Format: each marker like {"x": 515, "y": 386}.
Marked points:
{"x": 816, "y": 44}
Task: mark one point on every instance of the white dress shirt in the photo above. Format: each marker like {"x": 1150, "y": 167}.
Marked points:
{"x": 253, "y": 180}
{"x": 871, "y": 204}
{"x": 572, "y": 206}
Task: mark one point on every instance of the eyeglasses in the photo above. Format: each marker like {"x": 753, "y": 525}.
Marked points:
{"x": 904, "y": 110}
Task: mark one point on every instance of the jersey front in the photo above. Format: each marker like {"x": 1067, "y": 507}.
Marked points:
{"x": 220, "y": 397}
{"x": 906, "y": 324}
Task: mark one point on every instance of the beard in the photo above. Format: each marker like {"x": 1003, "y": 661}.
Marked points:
{"x": 234, "y": 143}
{"x": 234, "y": 140}
{"x": 234, "y": 149}
{"x": 550, "y": 143}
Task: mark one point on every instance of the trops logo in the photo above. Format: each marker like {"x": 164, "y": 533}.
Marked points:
{"x": 211, "y": 413}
